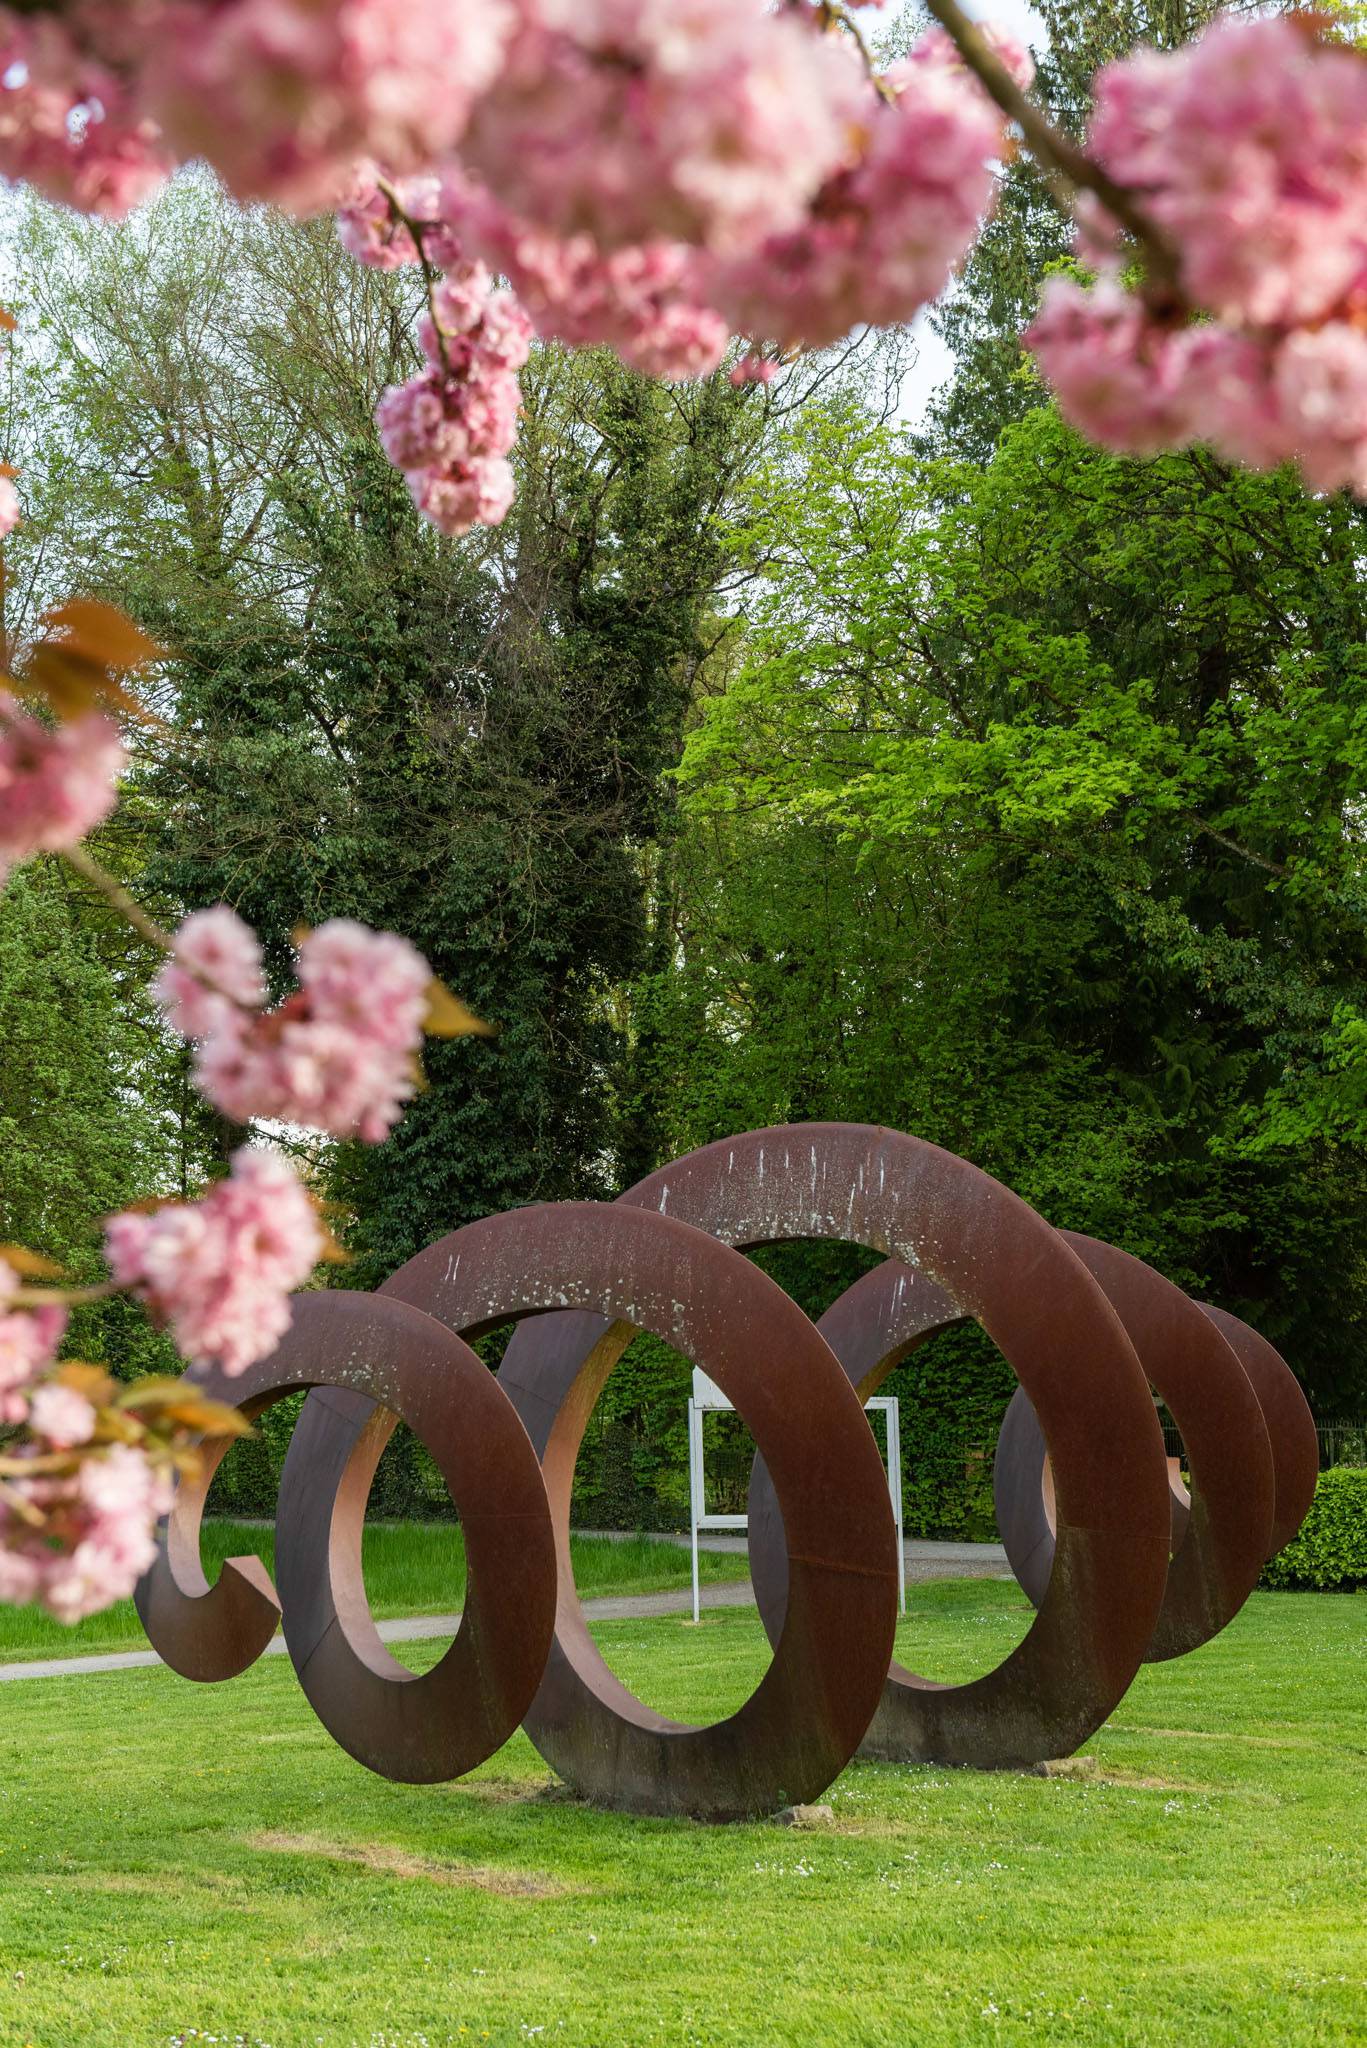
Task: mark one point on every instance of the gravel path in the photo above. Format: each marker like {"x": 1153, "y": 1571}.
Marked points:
{"x": 924, "y": 1561}
{"x": 417, "y": 1628}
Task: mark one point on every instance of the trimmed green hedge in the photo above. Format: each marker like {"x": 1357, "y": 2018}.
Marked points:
{"x": 1331, "y": 1550}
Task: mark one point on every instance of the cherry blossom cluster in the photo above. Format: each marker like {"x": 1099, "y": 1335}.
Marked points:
{"x": 98, "y": 103}
{"x": 451, "y": 428}
{"x": 56, "y": 783}
{"x": 218, "y": 1273}
{"x": 71, "y": 122}
{"x": 79, "y": 1540}
{"x": 299, "y": 89}
{"x": 28, "y": 1345}
{"x": 339, "y": 1055}
{"x": 710, "y": 122}
{"x": 1248, "y": 152}
{"x": 649, "y": 174}
{"x": 884, "y": 232}
{"x": 646, "y": 300}
{"x": 906, "y": 188}
{"x": 10, "y": 509}
{"x": 878, "y": 236}
{"x": 85, "y": 1483}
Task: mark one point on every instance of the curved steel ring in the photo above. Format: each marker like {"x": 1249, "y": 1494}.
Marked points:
{"x": 976, "y": 1246}
{"x": 1219, "y": 1537}
{"x": 1252, "y": 1486}
{"x": 418, "y": 1729}
{"x": 627, "y": 1269}
{"x": 1082, "y": 1488}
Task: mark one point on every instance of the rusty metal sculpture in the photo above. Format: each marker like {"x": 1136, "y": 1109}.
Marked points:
{"x": 1120, "y": 1566}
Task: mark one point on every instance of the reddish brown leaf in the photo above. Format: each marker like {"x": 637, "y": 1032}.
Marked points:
{"x": 29, "y": 1265}
{"x": 91, "y": 1382}
{"x": 101, "y": 634}
{"x": 448, "y": 1017}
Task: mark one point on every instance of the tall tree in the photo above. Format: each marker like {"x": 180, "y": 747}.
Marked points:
{"x": 1036, "y": 797}
{"x": 79, "y": 1136}
{"x": 981, "y": 317}
{"x": 463, "y": 741}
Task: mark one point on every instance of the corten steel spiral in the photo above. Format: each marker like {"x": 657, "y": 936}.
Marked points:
{"x": 1120, "y": 1564}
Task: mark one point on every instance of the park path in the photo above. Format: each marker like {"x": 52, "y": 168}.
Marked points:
{"x": 924, "y": 1561}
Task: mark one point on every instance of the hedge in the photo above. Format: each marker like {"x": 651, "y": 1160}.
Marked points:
{"x": 1330, "y": 1553}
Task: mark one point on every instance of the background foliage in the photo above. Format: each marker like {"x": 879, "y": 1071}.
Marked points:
{"x": 773, "y": 761}
{"x": 1330, "y": 1552}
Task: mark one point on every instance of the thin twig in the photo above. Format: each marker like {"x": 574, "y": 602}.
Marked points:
{"x": 117, "y": 897}
{"x": 18, "y": 1505}
{"x": 430, "y": 273}
{"x": 834, "y": 15}
{"x": 62, "y": 1297}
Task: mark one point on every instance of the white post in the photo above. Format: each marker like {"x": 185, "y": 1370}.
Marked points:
{"x": 895, "y": 1487}
{"x": 694, "y": 1489}
{"x": 892, "y": 1418}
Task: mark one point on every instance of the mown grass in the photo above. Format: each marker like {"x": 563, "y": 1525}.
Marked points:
{"x": 186, "y": 1864}
{"x": 409, "y": 1569}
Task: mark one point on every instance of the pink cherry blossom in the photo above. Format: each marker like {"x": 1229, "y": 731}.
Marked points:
{"x": 754, "y": 369}
{"x": 646, "y": 300}
{"x": 61, "y": 1415}
{"x": 56, "y": 783}
{"x": 1320, "y": 380}
{"x": 883, "y": 234}
{"x": 368, "y": 227}
{"x": 98, "y": 1535}
{"x": 283, "y": 96}
{"x": 1249, "y": 147}
{"x": 218, "y": 1273}
{"x": 339, "y": 1055}
{"x": 373, "y": 983}
{"x": 1261, "y": 399}
{"x": 450, "y": 428}
{"x": 69, "y": 122}
{"x": 215, "y": 967}
{"x": 28, "y": 1344}
{"x": 292, "y": 1068}
{"x": 1118, "y": 374}
{"x": 707, "y": 121}
{"x": 11, "y": 511}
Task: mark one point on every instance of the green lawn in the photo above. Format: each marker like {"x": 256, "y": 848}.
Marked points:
{"x": 408, "y": 1569}
{"x": 183, "y": 1865}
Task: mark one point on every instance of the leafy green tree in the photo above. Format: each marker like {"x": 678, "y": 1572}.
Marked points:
{"x": 465, "y": 742}
{"x": 1029, "y": 820}
{"x": 77, "y": 1136}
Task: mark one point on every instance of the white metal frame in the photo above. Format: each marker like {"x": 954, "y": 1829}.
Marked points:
{"x": 708, "y": 1398}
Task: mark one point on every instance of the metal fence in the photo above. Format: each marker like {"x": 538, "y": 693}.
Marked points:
{"x": 1341, "y": 1443}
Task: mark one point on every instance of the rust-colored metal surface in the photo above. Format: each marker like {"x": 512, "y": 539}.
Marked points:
{"x": 969, "y": 1247}
{"x": 1089, "y": 1507}
{"x": 625, "y": 1270}
{"x": 1290, "y": 1425}
{"x": 418, "y": 1729}
{"x": 1221, "y": 1536}
{"x": 1248, "y": 1436}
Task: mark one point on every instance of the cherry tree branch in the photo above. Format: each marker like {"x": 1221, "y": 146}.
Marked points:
{"x": 84, "y": 863}
{"x": 1069, "y": 168}
{"x": 64, "y": 1297}
{"x": 400, "y": 215}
